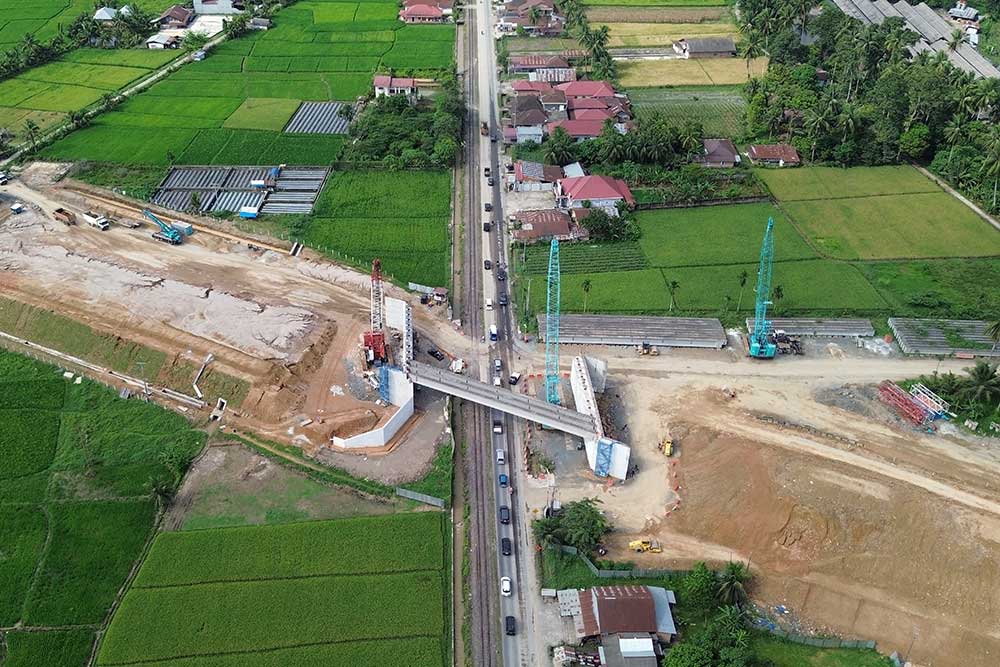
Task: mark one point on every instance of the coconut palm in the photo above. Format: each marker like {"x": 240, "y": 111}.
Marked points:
{"x": 32, "y": 131}
{"x": 982, "y": 385}
{"x": 954, "y": 132}
{"x": 585, "y": 286}
{"x": 672, "y": 287}
{"x": 733, "y": 584}
{"x": 955, "y": 39}
{"x": 752, "y": 47}
{"x": 993, "y": 331}
{"x": 743, "y": 281}
{"x": 991, "y": 160}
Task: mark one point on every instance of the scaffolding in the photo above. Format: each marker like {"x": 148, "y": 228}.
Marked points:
{"x": 906, "y": 406}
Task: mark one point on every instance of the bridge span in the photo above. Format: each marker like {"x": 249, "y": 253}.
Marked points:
{"x": 533, "y": 409}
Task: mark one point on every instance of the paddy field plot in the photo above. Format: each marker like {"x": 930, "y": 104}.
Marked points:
{"x": 880, "y": 213}
{"x": 615, "y": 14}
{"x": 76, "y": 503}
{"x": 719, "y": 109}
{"x": 642, "y": 34}
{"x": 657, "y": 3}
{"x": 336, "y": 590}
{"x": 693, "y": 72}
{"x": 318, "y": 51}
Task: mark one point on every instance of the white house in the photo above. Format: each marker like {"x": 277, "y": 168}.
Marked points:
{"x": 161, "y": 41}
{"x": 394, "y": 85}
{"x": 218, "y": 6}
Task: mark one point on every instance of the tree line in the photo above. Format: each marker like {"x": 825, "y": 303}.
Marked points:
{"x": 595, "y": 42}
{"x": 854, "y": 96}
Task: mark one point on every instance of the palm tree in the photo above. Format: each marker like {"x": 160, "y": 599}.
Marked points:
{"x": 954, "y": 132}
{"x": 743, "y": 281}
{"x": 752, "y": 47}
{"x": 982, "y": 385}
{"x": 778, "y": 294}
{"x": 993, "y": 331}
{"x": 991, "y": 160}
{"x": 559, "y": 147}
{"x": 733, "y": 584}
{"x": 32, "y": 131}
{"x": 585, "y": 286}
{"x": 672, "y": 287}
{"x": 817, "y": 124}
{"x": 955, "y": 39}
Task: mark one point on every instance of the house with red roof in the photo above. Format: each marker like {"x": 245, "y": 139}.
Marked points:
{"x": 394, "y": 85}
{"x": 600, "y": 191}
{"x": 580, "y": 130}
{"x": 587, "y": 89}
{"x": 522, "y": 87}
{"x": 422, "y": 14}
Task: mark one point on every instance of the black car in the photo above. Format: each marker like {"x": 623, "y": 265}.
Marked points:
{"x": 504, "y": 514}
{"x": 490, "y": 181}
{"x": 436, "y": 354}
{"x": 487, "y": 264}
{"x": 487, "y": 207}
{"x": 501, "y": 275}
{"x": 493, "y": 138}
{"x": 502, "y": 299}
{"x": 506, "y": 546}
{"x": 486, "y": 226}
{"x": 510, "y": 626}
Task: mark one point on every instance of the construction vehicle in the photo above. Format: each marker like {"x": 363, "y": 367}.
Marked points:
{"x": 761, "y": 343}
{"x": 484, "y": 129}
{"x": 647, "y": 349}
{"x": 666, "y": 444}
{"x": 786, "y": 344}
{"x": 64, "y": 216}
{"x": 167, "y": 234}
{"x": 96, "y": 220}
{"x": 17, "y": 208}
{"x": 642, "y": 546}
{"x": 3, "y": 178}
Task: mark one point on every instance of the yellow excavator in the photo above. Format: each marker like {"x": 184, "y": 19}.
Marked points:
{"x": 666, "y": 444}
{"x": 642, "y": 546}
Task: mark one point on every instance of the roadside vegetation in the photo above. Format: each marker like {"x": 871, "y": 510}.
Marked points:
{"x": 974, "y": 396}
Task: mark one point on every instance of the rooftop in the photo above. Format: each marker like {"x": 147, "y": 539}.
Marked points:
{"x": 584, "y": 188}
{"x": 541, "y": 224}
{"x": 578, "y": 129}
{"x": 587, "y": 89}
{"x": 536, "y": 171}
{"x": 708, "y": 44}
{"x": 784, "y": 152}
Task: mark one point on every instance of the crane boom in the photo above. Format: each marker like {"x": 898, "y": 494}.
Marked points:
{"x": 552, "y": 326}
{"x": 167, "y": 233}
{"x": 761, "y": 345}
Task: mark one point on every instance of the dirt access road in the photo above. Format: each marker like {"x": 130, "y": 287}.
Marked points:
{"x": 861, "y": 526}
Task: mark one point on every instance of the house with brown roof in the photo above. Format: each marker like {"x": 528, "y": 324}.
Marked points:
{"x": 422, "y": 13}
{"x": 528, "y": 117}
{"x": 175, "y": 17}
{"x": 779, "y": 155}
{"x": 718, "y": 153}
{"x": 631, "y": 611}
{"x": 580, "y": 130}
{"x": 522, "y": 87}
{"x": 535, "y": 226}
{"x": 530, "y": 63}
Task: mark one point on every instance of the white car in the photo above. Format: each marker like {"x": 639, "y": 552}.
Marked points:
{"x": 505, "y": 586}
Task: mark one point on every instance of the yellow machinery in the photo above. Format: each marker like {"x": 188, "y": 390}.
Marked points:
{"x": 641, "y": 546}
{"x": 666, "y": 444}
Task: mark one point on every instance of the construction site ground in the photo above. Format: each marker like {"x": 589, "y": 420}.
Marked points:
{"x": 287, "y": 326}
{"x": 860, "y": 525}
{"x": 230, "y": 485}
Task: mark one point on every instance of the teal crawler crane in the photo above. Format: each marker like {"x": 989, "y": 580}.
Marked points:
{"x": 762, "y": 345}
{"x": 167, "y": 234}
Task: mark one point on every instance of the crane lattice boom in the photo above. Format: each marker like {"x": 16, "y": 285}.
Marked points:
{"x": 552, "y": 327}
{"x": 761, "y": 345}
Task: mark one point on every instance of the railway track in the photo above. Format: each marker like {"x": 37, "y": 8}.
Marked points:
{"x": 478, "y": 461}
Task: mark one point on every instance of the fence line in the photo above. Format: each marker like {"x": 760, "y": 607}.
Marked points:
{"x": 704, "y": 202}
{"x": 420, "y": 497}
{"x": 634, "y": 573}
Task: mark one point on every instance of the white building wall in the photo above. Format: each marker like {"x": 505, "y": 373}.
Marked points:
{"x": 401, "y": 395}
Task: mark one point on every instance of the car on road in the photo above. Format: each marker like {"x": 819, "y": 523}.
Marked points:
{"x": 497, "y": 381}
{"x": 501, "y": 274}
{"x": 498, "y": 364}
{"x": 506, "y": 546}
{"x": 486, "y": 172}
{"x": 501, "y": 459}
{"x": 505, "y": 587}
{"x": 489, "y": 304}
{"x": 494, "y": 137}
{"x": 498, "y": 429}
{"x": 436, "y": 354}
{"x": 502, "y": 299}
{"x": 502, "y": 479}
{"x": 491, "y": 181}
{"x": 504, "y": 514}
{"x": 510, "y": 626}
{"x": 487, "y": 264}
{"x": 514, "y": 378}
{"x": 487, "y": 207}
{"x": 486, "y": 226}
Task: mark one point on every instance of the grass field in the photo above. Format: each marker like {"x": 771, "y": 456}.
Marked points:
{"x": 316, "y": 51}
{"x": 834, "y": 182}
{"x": 361, "y": 215}
{"x": 786, "y": 654}
{"x": 76, "y": 503}
{"x": 656, "y": 14}
{"x": 341, "y": 590}
{"x": 693, "y": 72}
{"x": 719, "y": 109}
{"x": 657, "y": 3}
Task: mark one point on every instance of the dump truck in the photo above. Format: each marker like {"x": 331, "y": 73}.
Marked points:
{"x": 64, "y": 216}
{"x": 484, "y": 129}
{"x": 642, "y": 546}
{"x": 96, "y": 220}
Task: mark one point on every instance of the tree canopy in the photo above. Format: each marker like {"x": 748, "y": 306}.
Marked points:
{"x": 580, "y": 524}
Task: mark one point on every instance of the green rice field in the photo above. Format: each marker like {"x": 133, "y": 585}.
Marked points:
{"x": 231, "y": 107}
{"x": 361, "y": 215}
{"x": 343, "y": 592}
{"x": 657, "y": 3}
{"x": 873, "y": 242}
{"x": 76, "y": 504}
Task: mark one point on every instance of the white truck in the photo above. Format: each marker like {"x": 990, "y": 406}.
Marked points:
{"x": 96, "y": 220}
